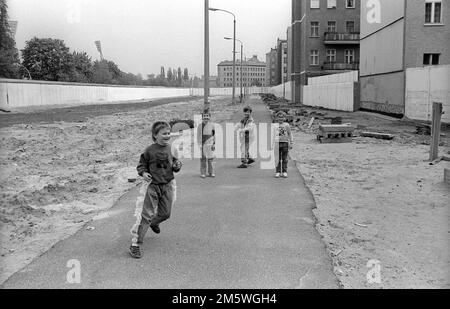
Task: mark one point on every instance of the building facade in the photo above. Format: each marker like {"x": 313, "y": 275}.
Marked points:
{"x": 271, "y": 67}
{"x": 395, "y": 36}
{"x": 289, "y": 53}
{"x": 282, "y": 55}
{"x": 253, "y": 73}
{"x": 325, "y": 39}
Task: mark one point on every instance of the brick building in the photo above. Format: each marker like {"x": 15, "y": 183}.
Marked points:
{"x": 282, "y": 57}
{"x": 395, "y": 36}
{"x": 325, "y": 39}
{"x": 271, "y": 67}
{"x": 253, "y": 73}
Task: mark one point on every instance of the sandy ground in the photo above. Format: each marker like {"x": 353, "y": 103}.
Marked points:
{"x": 381, "y": 208}
{"x": 57, "y": 177}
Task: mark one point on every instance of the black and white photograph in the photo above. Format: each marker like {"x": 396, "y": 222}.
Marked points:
{"x": 240, "y": 147}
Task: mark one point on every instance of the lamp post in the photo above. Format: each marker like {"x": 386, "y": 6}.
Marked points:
{"x": 234, "y": 48}
{"x": 206, "y": 106}
{"x": 242, "y": 71}
{"x": 298, "y": 75}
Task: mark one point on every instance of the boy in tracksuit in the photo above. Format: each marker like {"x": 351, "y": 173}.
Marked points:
{"x": 206, "y": 138}
{"x": 283, "y": 143}
{"x": 157, "y": 166}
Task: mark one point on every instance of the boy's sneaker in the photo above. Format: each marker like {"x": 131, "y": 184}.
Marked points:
{"x": 135, "y": 252}
{"x": 285, "y": 175}
{"x": 251, "y": 161}
{"x": 155, "y": 229}
{"x": 203, "y": 176}
{"x": 212, "y": 175}
{"x": 277, "y": 175}
{"x": 243, "y": 165}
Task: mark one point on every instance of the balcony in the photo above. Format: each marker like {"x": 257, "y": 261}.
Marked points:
{"x": 333, "y": 38}
{"x": 335, "y": 66}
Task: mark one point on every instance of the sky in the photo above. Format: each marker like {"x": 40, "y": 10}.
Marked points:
{"x": 143, "y": 35}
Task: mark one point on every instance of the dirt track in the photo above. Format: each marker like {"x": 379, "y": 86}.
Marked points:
{"x": 79, "y": 113}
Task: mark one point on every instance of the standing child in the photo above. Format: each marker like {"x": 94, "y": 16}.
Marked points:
{"x": 283, "y": 143}
{"x": 157, "y": 165}
{"x": 246, "y": 129}
{"x": 206, "y": 138}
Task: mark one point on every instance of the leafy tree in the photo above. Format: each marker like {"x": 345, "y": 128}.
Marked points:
{"x": 256, "y": 83}
{"x": 82, "y": 67}
{"x": 163, "y": 73}
{"x": 169, "y": 75}
{"x": 101, "y": 73}
{"x": 48, "y": 59}
{"x": 179, "y": 77}
{"x": 186, "y": 75}
{"x": 9, "y": 56}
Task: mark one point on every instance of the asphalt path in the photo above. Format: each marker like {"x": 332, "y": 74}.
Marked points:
{"x": 80, "y": 113}
{"x": 243, "y": 229}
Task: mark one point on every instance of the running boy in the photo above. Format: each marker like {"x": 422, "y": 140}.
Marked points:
{"x": 206, "y": 138}
{"x": 283, "y": 143}
{"x": 157, "y": 165}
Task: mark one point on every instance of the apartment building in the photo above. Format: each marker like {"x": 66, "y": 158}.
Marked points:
{"x": 395, "y": 36}
{"x": 271, "y": 67}
{"x": 253, "y": 73}
{"x": 325, "y": 39}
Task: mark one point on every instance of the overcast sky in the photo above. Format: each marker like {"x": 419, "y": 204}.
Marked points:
{"x": 142, "y": 35}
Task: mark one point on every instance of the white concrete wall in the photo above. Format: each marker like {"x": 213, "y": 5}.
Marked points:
{"x": 424, "y": 86}
{"x": 336, "y": 96}
{"x": 18, "y": 93}
{"x": 348, "y": 77}
{"x": 336, "y": 92}
{"x": 285, "y": 89}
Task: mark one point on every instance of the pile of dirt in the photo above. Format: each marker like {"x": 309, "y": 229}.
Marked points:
{"x": 380, "y": 205}
{"x": 58, "y": 176}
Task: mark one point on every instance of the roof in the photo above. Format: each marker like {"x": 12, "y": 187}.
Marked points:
{"x": 250, "y": 62}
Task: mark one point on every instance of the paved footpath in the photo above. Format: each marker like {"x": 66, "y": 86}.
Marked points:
{"x": 243, "y": 229}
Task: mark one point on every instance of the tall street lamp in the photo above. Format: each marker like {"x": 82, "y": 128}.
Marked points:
{"x": 234, "y": 48}
{"x": 206, "y": 106}
{"x": 242, "y": 71}
{"x": 298, "y": 75}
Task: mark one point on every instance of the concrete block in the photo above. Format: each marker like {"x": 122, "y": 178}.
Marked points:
{"x": 447, "y": 175}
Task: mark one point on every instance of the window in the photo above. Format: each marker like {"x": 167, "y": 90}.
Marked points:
{"x": 433, "y": 12}
{"x": 331, "y": 4}
{"x": 315, "y": 29}
{"x": 350, "y": 26}
{"x": 315, "y": 4}
{"x": 350, "y": 4}
{"x": 431, "y": 59}
{"x": 332, "y": 27}
{"x": 349, "y": 56}
{"x": 314, "y": 57}
{"x": 331, "y": 55}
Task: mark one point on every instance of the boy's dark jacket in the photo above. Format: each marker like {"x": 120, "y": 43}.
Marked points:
{"x": 158, "y": 161}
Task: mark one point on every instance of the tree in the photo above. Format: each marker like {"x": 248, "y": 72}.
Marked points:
{"x": 256, "y": 83}
{"x": 107, "y": 72}
{"x": 82, "y": 67}
{"x": 179, "y": 77}
{"x": 186, "y": 75}
{"x": 163, "y": 73}
{"x": 48, "y": 59}
{"x": 101, "y": 73}
{"x": 9, "y": 56}
{"x": 169, "y": 75}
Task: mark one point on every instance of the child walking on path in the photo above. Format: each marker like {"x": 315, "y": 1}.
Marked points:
{"x": 206, "y": 138}
{"x": 246, "y": 129}
{"x": 157, "y": 165}
{"x": 283, "y": 143}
